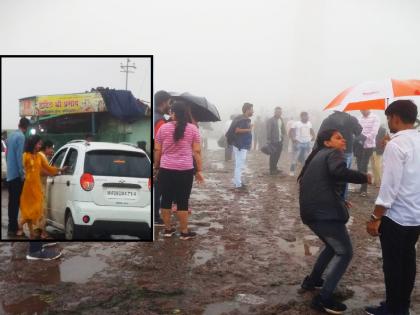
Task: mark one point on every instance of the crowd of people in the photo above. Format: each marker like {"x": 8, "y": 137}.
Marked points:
{"x": 325, "y": 158}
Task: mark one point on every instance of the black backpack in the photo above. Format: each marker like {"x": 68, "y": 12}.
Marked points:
{"x": 230, "y": 134}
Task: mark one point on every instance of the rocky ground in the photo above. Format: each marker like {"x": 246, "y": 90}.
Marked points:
{"x": 250, "y": 256}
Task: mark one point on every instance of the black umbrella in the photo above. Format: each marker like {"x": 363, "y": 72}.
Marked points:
{"x": 201, "y": 108}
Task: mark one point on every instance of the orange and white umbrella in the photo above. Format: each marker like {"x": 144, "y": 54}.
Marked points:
{"x": 373, "y": 95}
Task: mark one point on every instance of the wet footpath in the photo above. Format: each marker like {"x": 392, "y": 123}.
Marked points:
{"x": 249, "y": 257}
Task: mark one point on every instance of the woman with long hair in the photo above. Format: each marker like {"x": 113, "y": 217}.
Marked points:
{"x": 177, "y": 144}
{"x": 31, "y": 200}
{"x": 324, "y": 210}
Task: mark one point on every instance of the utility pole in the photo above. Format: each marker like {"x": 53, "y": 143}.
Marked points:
{"x": 126, "y": 69}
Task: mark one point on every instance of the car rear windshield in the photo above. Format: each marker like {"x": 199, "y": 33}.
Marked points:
{"x": 117, "y": 163}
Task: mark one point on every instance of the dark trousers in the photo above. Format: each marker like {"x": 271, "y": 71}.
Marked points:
{"x": 15, "y": 190}
{"x": 35, "y": 247}
{"x": 399, "y": 263}
{"x": 156, "y": 197}
{"x": 362, "y": 164}
{"x": 275, "y": 155}
{"x": 228, "y": 153}
{"x": 337, "y": 254}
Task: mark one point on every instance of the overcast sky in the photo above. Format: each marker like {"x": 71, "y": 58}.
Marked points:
{"x": 295, "y": 54}
{"x": 24, "y": 77}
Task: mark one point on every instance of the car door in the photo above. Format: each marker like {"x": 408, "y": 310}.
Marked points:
{"x": 66, "y": 182}
{"x": 55, "y": 203}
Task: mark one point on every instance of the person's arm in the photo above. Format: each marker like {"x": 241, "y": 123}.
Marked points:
{"x": 312, "y": 135}
{"x": 337, "y": 167}
{"x": 240, "y": 128}
{"x": 196, "y": 148}
{"x": 157, "y": 148}
{"x": 49, "y": 170}
{"x": 19, "y": 154}
{"x": 393, "y": 164}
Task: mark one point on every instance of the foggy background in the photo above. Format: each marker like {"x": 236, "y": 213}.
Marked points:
{"x": 25, "y": 77}
{"x": 295, "y": 54}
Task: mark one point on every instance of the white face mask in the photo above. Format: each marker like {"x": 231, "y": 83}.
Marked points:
{"x": 166, "y": 116}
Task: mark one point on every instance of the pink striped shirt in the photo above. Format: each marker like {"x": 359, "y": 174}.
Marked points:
{"x": 370, "y": 125}
{"x": 177, "y": 155}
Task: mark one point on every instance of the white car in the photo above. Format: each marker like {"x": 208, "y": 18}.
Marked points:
{"x": 3, "y": 161}
{"x": 105, "y": 191}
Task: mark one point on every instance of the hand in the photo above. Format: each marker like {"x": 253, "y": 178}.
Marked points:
{"x": 349, "y": 205}
{"x": 199, "y": 177}
{"x": 372, "y": 227}
{"x": 369, "y": 179}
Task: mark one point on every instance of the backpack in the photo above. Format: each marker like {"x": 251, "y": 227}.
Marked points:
{"x": 230, "y": 134}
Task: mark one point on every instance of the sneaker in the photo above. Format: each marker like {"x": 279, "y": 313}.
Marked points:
{"x": 330, "y": 305}
{"x": 44, "y": 254}
{"x": 187, "y": 236}
{"x": 159, "y": 222}
{"x": 49, "y": 244}
{"x": 169, "y": 233}
{"x": 382, "y": 310}
{"x": 308, "y": 285}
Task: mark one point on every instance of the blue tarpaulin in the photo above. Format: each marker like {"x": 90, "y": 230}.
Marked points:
{"x": 123, "y": 105}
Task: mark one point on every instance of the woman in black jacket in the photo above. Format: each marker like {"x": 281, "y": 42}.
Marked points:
{"x": 323, "y": 209}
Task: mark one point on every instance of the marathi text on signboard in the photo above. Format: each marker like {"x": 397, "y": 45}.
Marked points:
{"x": 63, "y": 104}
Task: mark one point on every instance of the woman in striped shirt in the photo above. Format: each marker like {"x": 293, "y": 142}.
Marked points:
{"x": 177, "y": 144}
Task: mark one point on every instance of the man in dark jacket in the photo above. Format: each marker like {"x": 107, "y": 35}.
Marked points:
{"x": 276, "y": 131}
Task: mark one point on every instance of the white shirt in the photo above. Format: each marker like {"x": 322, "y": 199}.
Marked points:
{"x": 303, "y": 131}
{"x": 400, "y": 186}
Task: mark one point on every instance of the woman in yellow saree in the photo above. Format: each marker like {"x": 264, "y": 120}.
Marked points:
{"x": 31, "y": 200}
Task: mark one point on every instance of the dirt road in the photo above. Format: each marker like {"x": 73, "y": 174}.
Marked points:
{"x": 250, "y": 256}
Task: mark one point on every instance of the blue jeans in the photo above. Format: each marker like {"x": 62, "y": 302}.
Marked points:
{"x": 337, "y": 254}
{"x": 300, "y": 152}
{"x": 240, "y": 159}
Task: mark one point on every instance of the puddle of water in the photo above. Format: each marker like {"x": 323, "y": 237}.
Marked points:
{"x": 31, "y": 305}
{"x": 71, "y": 272}
{"x": 250, "y": 299}
{"x": 200, "y": 257}
{"x": 225, "y": 307}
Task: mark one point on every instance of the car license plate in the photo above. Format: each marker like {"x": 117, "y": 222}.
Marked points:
{"x": 121, "y": 194}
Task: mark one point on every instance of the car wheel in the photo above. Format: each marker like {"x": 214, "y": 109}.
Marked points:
{"x": 69, "y": 228}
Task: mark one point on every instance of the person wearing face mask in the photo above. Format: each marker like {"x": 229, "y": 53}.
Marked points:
{"x": 324, "y": 210}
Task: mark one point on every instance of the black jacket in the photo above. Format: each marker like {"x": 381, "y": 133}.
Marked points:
{"x": 322, "y": 186}
{"x": 273, "y": 134}
{"x": 348, "y": 126}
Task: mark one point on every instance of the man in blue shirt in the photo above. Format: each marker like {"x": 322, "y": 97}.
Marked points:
{"x": 242, "y": 128}
{"x": 15, "y": 174}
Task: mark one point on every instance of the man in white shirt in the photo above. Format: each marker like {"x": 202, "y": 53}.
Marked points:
{"x": 301, "y": 134}
{"x": 396, "y": 217}
{"x": 370, "y": 124}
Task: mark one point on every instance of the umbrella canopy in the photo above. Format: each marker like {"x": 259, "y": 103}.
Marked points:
{"x": 373, "y": 94}
{"x": 201, "y": 109}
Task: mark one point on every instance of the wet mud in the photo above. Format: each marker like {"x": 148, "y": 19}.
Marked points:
{"x": 249, "y": 257}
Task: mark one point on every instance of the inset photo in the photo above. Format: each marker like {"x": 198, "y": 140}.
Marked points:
{"x": 76, "y": 143}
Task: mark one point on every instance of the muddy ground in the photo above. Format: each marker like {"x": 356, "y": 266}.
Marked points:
{"x": 251, "y": 254}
